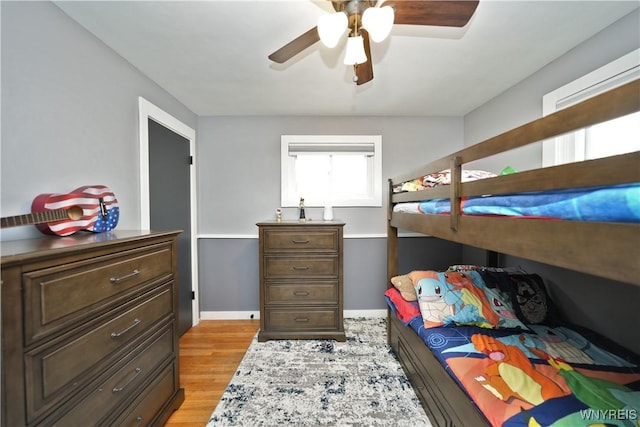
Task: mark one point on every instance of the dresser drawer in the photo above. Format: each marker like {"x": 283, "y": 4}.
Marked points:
{"x": 142, "y": 412}
{"x": 57, "y": 371}
{"x": 301, "y": 319}
{"x": 56, "y": 297}
{"x": 297, "y": 239}
{"x": 302, "y": 293}
{"x": 298, "y": 267}
{"x": 116, "y": 389}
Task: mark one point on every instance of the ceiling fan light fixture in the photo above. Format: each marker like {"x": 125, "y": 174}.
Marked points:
{"x": 331, "y": 27}
{"x": 378, "y": 21}
{"x": 355, "y": 51}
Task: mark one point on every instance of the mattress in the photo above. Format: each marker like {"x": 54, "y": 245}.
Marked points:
{"x": 620, "y": 203}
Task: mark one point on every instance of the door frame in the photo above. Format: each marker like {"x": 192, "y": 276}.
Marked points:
{"x": 146, "y": 111}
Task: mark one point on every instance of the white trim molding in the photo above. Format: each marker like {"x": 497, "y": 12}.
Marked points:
{"x": 247, "y": 315}
{"x": 346, "y": 236}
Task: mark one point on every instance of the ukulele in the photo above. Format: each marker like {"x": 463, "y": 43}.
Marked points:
{"x": 92, "y": 208}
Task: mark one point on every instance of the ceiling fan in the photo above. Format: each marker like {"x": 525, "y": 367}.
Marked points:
{"x": 368, "y": 20}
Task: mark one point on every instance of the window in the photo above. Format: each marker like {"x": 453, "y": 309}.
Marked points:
{"x": 617, "y": 136}
{"x": 331, "y": 170}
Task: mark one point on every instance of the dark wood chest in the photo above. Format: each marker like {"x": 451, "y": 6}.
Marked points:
{"x": 89, "y": 330}
{"x": 301, "y": 280}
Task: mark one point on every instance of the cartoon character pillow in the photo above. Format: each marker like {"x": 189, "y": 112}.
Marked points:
{"x": 447, "y": 298}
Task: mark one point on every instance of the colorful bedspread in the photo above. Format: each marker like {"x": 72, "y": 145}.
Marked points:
{"x": 620, "y": 203}
{"x": 548, "y": 376}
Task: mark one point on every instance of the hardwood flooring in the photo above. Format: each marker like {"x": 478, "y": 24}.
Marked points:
{"x": 210, "y": 353}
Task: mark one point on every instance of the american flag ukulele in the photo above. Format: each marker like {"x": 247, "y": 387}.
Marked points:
{"x": 92, "y": 208}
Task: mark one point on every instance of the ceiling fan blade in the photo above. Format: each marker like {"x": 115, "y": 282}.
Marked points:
{"x": 364, "y": 72}
{"x": 439, "y": 12}
{"x": 295, "y": 46}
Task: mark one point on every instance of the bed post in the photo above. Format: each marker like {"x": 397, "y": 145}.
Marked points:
{"x": 392, "y": 251}
{"x": 392, "y": 241}
{"x": 454, "y": 189}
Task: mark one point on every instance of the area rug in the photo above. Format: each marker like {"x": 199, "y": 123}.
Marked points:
{"x": 321, "y": 383}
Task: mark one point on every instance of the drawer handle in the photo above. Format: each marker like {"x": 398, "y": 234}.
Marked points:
{"x": 139, "y": 420}
{"x": 302, "y": 319}
{"x": 300, "y": 267}
{"x": 116, "y": 280}
{"x": 136, "y": 322}
{"x": 119, "y": 389}
{"x": 301, "y": 293}
{"x": 299, "y": 242}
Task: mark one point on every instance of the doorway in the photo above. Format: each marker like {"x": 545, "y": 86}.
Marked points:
{"x": 167, "y": 176}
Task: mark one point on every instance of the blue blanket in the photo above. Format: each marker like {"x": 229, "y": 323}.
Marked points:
{"x": 620, "y": 203}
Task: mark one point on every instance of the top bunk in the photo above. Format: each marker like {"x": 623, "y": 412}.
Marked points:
{"x": 605, "y": 247}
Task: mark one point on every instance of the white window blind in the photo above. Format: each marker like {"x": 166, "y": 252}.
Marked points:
{"x": 362, "y": 149}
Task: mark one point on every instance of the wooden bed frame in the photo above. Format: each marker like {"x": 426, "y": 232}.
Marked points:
{"x": 598, "y": 248}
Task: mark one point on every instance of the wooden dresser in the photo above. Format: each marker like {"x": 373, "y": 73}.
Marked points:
{"x": 301, "y": 280}
{"x": 89, "y": 333}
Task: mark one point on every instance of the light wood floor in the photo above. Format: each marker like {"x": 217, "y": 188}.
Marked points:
{"x": 209, "y": 356}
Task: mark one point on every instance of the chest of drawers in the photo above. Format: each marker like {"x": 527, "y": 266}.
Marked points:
{"x": 89, "y": 333}
{"x": 301, "y": 280}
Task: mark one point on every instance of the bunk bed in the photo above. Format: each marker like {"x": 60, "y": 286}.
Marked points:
{"x": 602, "y": 247}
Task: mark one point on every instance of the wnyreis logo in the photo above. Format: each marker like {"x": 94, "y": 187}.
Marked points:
{"x": 609, "y": 414}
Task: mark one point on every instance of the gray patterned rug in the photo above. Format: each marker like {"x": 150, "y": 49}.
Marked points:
{"x": 321, "y": 383}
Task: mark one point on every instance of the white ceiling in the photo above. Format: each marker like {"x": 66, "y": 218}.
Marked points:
{"x": 212, "y": 55}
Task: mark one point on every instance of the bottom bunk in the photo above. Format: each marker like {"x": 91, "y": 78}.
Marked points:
{"x": 517, "y": 374}
{"x": 444, "y": 402}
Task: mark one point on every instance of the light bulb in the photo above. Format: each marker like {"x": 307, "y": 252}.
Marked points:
{"x": 355, "y": 51}
{"x": 331, "y": 27}
{"x": 378, "y": 21}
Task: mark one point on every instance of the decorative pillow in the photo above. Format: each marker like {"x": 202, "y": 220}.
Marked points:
{"x": 418, "y": 274}
{"x": 447, "y": 298}
{"x": 404, "y": 310}
{"x": 405, "y": 286}
{"x": 530, "y": 298}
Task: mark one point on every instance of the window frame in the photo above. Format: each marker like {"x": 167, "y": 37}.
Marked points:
{"x": 567, "y": 148}
{"x": 330, "y": 143}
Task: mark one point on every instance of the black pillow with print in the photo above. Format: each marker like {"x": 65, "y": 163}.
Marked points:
{"x": 529, "y": 297}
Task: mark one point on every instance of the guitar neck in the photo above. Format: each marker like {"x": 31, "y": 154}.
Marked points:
{"x": 34, "y": 218}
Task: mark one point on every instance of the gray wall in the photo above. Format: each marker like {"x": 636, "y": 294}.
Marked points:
{"x": 244, "y": 153}
{"x": 69, "y": 113}
{"x": 523, "y": 102}
{"x": 229, "y": 270}
{"x": 605, "y": 306}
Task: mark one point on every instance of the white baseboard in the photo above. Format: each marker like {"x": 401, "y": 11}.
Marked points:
{"x": 229, "y": 315}
{"x": 245, "y": 315}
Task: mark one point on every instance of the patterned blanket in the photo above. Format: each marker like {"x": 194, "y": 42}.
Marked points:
{"x": 544, "y": 376}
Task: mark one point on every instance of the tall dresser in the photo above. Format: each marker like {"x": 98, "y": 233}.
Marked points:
{"x": 89, "y": 333}
{"x": 301, "y": 280}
